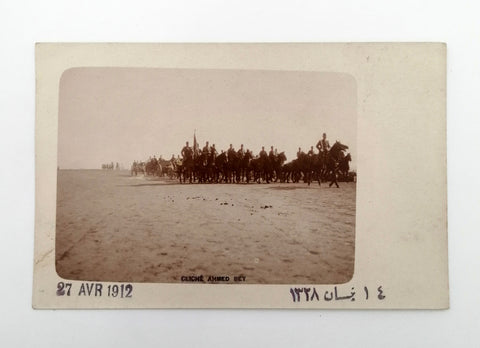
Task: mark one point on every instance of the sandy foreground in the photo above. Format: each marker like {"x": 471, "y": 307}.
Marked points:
{"x": 113, "y": 227}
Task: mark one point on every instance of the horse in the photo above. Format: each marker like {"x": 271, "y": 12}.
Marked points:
{"x": 169, "y": 170}
{"x": 344, "y": 167}
{"x": 220, "y": 167}
{"x": 244, "y": 166}
{"x": 205, "y": 167}
{"x": 233, "y": 166}
{"x": 165, "y": 167}
{"x": 291, "y": 171}
{"x": 258, "y": 169}
{"x": 153, "y": 168}
{"x": 287, "y": 171}
{"x": 108, "y": 166}
{"x": 277, "y": 166}
{"x": 185, "y": 170}
{"x": 178, "y": 168}
{"x": 210, "y": 169}
{"x": 305, "y": 166}
{"x": 317, "y": 167}
{"x": 199, "y": 168}
{"x": 137, "y": 167}
{"x": 333, "y": 157}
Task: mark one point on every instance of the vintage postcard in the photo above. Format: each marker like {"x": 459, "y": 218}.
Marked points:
{"x": 241, "y": 176}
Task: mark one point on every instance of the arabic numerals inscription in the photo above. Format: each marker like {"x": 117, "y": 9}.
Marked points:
{"x": 120, "y": 290}
{"x": 311, "y": 294}
{"x": 380, "y": 296}
{"x": 63, "y": 289}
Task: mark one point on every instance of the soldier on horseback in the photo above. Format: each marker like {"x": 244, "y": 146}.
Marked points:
{"x": 231, "y": 153}
{"x": 187, "y": 151}
{"x": 323, "y": 146}
{"x": 206, "y": 150}
{"x": 311, "y": 152}
{"x": 271, "y": 154}
{"x": 263, "y": 158}
{"x": 299, "y": 152}
{"x": 187, "y": 167}
{"x": 263, "y": 153}
{"x": 241, "y": 152}
{"x": 211, "y": 162}
{"x": 213, "y": 152}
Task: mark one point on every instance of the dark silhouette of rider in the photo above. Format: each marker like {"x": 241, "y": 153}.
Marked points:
{"x": 263, "y": 153}
{"x": 187, "y": 151}
{"x": 299, "y": 152}
{"x": 323, "y": 145}
{"x": 213, "y": 152}
{"x": 231, "y": 153}
{"x": 271, "y": 155}
{"x": 241, "y": 152}
{"x": 311, "y": 152}
{"x": 206, "y": 149}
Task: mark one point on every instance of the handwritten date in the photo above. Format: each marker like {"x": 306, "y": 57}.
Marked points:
{"x": 311, "y": 294}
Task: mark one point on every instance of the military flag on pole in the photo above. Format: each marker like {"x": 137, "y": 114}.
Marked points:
{"x": 195, "y": 144}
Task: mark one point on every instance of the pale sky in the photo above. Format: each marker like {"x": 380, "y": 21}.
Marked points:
{"x": 126, "y": 114}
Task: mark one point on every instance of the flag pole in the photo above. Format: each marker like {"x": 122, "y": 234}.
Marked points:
{"x": 194, "y": 144}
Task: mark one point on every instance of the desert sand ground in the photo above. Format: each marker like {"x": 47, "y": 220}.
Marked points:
{"x": 114, "y": 227}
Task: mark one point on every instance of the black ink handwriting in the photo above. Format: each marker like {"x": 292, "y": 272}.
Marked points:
{"x": 381, "y": 296}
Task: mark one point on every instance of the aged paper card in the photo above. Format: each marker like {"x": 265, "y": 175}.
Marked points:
{"x": 241, "y": 176}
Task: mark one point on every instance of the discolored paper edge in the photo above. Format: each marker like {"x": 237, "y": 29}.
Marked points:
{"x": 401, "y": 210}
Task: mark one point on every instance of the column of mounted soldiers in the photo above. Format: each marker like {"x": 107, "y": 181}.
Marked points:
{"x": 207, "y": 165}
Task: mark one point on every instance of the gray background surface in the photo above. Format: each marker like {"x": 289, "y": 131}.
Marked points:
{"x": 24, "y": 23}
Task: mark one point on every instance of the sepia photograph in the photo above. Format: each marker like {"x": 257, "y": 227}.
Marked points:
{"x": 215, "y": 176}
